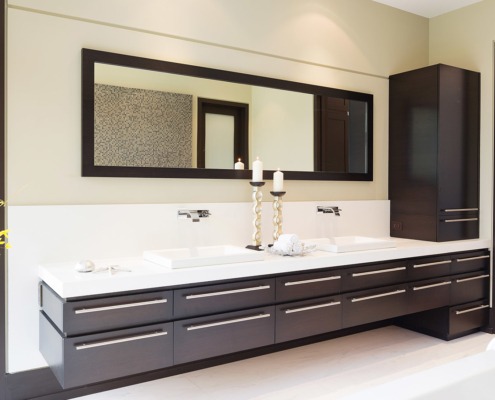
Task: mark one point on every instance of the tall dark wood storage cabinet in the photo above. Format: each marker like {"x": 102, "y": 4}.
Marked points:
{"x": 434, "y": 154}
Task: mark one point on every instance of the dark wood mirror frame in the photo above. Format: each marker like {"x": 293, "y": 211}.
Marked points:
{"x": 91, "y": 57}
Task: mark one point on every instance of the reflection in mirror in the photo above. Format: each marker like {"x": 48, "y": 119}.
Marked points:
{"x": 153, "y": 118}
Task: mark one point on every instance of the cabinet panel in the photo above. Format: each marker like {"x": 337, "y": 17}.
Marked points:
{"x": 224, "y": 297}
{"x": 468, "y": 317}
{"x": 374, "y": 305}
{"x": 304, "y": 286}
{"x": 472, "y": 261}
{"x": 470, "y": 287}
{"x": 374, "y": 275}
{"x": 425, "y": 295}
{"x": 205, "y": 337}
{"x": 114, "y": 312}
{"x": 93, "y": 358}
{"x": 429, "y": 267}
{"x": 308, "y": 318}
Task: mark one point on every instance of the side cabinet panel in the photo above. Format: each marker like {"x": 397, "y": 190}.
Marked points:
{"x": 205, "y": 337}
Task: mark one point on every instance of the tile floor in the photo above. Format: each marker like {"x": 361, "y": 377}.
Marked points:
{"x": 326, "y": 370}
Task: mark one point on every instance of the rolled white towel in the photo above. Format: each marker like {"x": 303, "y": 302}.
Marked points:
{"x": 288, "y": 244}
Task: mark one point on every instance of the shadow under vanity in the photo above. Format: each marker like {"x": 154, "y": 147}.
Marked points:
{"x": 185, "y": 327}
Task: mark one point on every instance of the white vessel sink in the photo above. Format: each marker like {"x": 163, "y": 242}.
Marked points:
{"x": 342, "y": 244}
{"x": 201, "y": 256}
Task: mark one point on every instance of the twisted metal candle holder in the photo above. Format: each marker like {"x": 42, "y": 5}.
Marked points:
{"x": 257, "y": 197}
{"x": 277, "y": 214}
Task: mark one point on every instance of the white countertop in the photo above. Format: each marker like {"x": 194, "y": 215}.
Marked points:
{"x": 67, "y": 283}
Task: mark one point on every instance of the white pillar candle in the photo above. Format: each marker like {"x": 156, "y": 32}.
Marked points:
{"x": 278, "y": 181}
{"x": 257, "y": 170}
{"x": 239, "y": 164}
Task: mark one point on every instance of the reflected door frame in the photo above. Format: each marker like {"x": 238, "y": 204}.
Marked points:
{"x": 240, "y": 112}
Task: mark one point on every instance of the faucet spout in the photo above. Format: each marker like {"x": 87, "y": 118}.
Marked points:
{"x": 193, "y": 215}
{"x": 329, "y": 210}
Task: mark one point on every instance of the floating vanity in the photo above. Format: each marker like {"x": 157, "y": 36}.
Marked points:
{"x": 144, "y": 317}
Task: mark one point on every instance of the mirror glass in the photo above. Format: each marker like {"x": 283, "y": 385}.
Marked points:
{"x": 151, "y": 118}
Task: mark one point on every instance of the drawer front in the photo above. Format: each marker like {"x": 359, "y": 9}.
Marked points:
{"x": 429, "y": 294}
{"x": 374, "y": 305}
{"x": 97, "y": 315}
{"x": 95, "y": 358}
{"x": 308, "y": 318}
{"x": 429, "y": 267}
{"x": 470, "y": 287}
{"x": 224, "y": 297}
{"x": 468, "y": 317}
{"x": 374, "y": 276}
{"x": 305, "y": 286}
{"x": 468, "y": 262}
{"x": 205, "y": 337}
{"x": 458, "y": 227}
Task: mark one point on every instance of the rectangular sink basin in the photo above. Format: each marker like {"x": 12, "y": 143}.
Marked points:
{"x": 201, "y": 256}
{"x": 343, "y": 244}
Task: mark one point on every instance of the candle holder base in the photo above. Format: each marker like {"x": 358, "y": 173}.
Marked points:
{"x": 253, "y": 247}
{"x": 277, "y": 214}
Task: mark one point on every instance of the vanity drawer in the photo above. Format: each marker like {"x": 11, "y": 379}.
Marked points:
{"x": 429, "y": 267}
{"x": 205, "y": 337}
{"x": 470, "y": 287}
{"x": 374, "y": 305}
{"x": 308, "y": 318}
{"x": 97, "y": 315}
{"x": 374, "y": 275}
{"x": 428, "y": 294}
{"x": 94, "y": 358}
{"x": 211, "y": 299}
{"x": 468, "y": 317}
{"x": 305, "y": 286}
{"x": 472, "y": 261}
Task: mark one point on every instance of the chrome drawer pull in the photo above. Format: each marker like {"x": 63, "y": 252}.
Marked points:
{"x": 461, "y": 220}
{"x": 460, "y": 209}
{"x": 116, "y": 307}
{"x": 121, "y": 340}
{"x": 431, "y": 264}
{"x": 380, "y": 271}
{"x": 330, "y": 278}
{"x": 472, "y": 309}
{"x": 356, "y": 299}
{"x": 472, "y": 258}
{"x": 432, "y": 285}
{"x": 294, "y": 310}
{"x": 229, "y": 321}
{"x": 250, "y": 289}
{"x": 472, "y": 279}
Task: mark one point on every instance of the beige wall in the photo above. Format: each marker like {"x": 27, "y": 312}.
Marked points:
{"x": 346, "y": 44}
{"x": 465, "y": 38}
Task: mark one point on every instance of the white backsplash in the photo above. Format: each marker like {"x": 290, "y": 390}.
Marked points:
{"x": 45, "y": 234}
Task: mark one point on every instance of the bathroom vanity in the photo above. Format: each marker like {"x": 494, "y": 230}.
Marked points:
{"x": 101, "y": 326}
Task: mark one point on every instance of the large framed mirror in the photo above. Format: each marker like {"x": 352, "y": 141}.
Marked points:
{"x": 151, "y": 118}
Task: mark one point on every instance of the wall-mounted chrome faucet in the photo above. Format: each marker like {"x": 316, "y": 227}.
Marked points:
{"x": 193, "y": 215}
{"x": 329, "y": 210}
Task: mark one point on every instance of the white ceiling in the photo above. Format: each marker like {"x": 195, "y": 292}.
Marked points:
{"x": 428, "y": 8}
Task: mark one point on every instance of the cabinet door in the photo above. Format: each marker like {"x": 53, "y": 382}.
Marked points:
{"x": 205, "y": 337}
{"x": 429, "y": 267}
{"x": 107, "y": 313}
{"x": 470, "y": 287}
{"x": 213, "y": 299}
{"x": 305, "y": 286}
{"x": 94, "y": 358}
{"x": 374, "y": 305}
{"x": 374, "y": 275}
{"x": 308, "y": 318}
{"x": 428, "y": 294}
{"x": 472, "y": 261}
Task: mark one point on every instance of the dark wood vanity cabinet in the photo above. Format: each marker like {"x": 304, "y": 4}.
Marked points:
{"x": 434, "y": 115}
{"x": 86, "y": 340}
